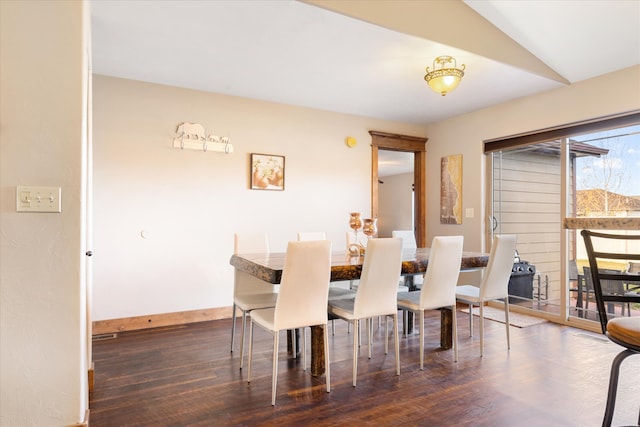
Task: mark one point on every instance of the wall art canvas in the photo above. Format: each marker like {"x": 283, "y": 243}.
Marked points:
{"x": 451, "y": 189}
{"x": 267, "y": 172}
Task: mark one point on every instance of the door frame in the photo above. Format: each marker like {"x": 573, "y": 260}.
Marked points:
{"x": 417, "y": 146}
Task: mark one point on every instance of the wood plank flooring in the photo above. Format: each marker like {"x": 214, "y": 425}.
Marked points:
{"x": 186, "y": 376}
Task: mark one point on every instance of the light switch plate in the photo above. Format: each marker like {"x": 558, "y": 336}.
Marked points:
{"x": 469, "y": 213}
{"x": 38, "y": 199}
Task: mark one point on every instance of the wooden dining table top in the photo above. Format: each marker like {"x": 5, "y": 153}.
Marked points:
{"x": 268, "y": 266}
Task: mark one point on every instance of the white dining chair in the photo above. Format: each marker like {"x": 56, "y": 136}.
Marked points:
{"x": 408, "y": 238}
{"x": 335, "y": 291}
{"x": 311, "y": 235}
{"x": 439, "y": 286}
{"x": 302, "y": 302}
{"x": 408, "y": 242}
{"x": 376, "y": 294}
{"x": 494, "y": 284}
{"x": 249, "y": 292}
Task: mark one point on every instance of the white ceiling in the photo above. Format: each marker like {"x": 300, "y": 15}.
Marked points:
{"x": 301, "y": 54}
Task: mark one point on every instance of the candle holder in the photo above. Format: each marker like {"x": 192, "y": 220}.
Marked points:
{"x": 369, "y": 228}
{"x": 355, "y": 248}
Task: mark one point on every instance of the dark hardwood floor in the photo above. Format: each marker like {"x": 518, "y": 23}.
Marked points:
{"x": 185, "y": 376}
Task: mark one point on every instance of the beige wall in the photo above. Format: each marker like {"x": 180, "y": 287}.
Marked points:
{"x": 189, "y": 203}
{"x": 598, "y": 97}
{"x": 43, "y": 361}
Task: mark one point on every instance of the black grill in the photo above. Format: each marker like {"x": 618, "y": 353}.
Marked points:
{"x": 521, "y": 281}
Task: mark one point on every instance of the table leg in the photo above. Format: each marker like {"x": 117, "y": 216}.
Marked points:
{"x": 290, "y": 341}
{"x": 446, "y": 328}
{"x": 408, "y": 327}
{"x": 317, "y": 351}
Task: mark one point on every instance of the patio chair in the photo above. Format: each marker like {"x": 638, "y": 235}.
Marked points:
{"x": 609, "y": 287}
{"x": 633, "y": 268}
{"x": 577, "y": 285}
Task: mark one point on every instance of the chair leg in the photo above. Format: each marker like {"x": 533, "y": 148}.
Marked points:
{"x": 244, "y": 323}
{"x": 586, "y": 303}
{"x": 304, "y": 349}
{"x": 396, "y": 338}
{"x": 405, "y": 322}
{"x": 455, "y": 333}
{"x": 613, "y": 387}
{"x": 356, "y": 333}
{"x": 369, "y": 334}
{"x": 386, "y": 335}
{"x": 506, "y": 318}
{"x": 233, "y": 326}
{"x": 470, "y": 320}
{"x": 421, "y": 340}
{"x": 250, "y": 351}
{"x": 327, "y": 362}
{"x": 371, "y": 331}
{"x": 274, "y": 380}
{"x": 481, "y": 329}
{"x": 294, "y": 344}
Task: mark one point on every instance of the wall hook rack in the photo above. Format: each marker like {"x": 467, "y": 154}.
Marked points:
{"x": 192, "y": 136}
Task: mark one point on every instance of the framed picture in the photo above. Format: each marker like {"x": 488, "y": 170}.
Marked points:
{"x": 451, "y": 189}
{"x": 267, "y": 172}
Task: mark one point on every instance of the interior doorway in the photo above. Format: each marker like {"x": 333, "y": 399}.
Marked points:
{"x": 417, "y": 146}
{"x": 396, "y": 205}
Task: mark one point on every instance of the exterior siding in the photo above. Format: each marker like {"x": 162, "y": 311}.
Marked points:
{"x": 526, "y": 201}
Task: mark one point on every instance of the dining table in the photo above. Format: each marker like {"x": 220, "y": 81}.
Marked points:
{"x": 346, "y": 267}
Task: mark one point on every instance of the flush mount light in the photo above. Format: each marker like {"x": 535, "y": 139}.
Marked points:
{"x": 445, "y": 75}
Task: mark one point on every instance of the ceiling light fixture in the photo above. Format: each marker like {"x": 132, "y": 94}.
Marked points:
{"x": 444, "y": 78}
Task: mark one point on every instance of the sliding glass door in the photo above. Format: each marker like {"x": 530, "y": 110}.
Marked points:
{"x": 535, "y": 185}
{"x": 607, "y": 182}
{"x": 526, "y": 201}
